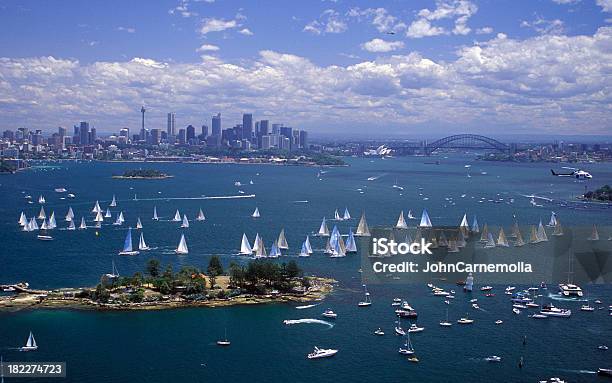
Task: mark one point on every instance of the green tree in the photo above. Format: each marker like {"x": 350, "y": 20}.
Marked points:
{"x": 168, "y": 273}
{"x": 153, "y": 268}
{"x": 101, "y": 294}
{"x": 215, "y": 265}
{"x": 293, "y": 270}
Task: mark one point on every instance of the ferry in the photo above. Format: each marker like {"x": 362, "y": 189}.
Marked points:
{"x": 569, "y": 289}
{"x": 322, "y": 353}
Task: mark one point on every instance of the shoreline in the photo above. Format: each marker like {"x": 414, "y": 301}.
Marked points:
{"x": 142, "y": 177}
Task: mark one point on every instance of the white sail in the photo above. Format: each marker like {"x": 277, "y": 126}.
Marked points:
{"x": 185, "y": 223}
{"x": 484, "y": 235}
{"x": 119, "y": 220}
{"x": 33, "y": 224}
{"x": 410, "y": 215}
{"x": 177, "y": 216}
{"x": 464, "y": 222}
{"x": 245, "y": 246}
{"x": 337, "y": 216}
{"x": 70, "y": 214}
{"x": 490, "y": 241}
{"x": 553, "y": 220}
{"x": 501, "y": 238}
{"x": 113, "y": 202}
{"x": 558, "y": 229}
{"x": 52, "y": 223}
{"x": 282, "y": 240}
{"x": 83, "y": 225}
{"x": 274, "y": 251}
{"x": 31, "y": 343}
{"x": 335, "y": 236}
{"x": 142, "y": 245}
{"x": 339, "y": 249}
{"x": 401, "y": 222}
{"x": 475, "y": 227}
{"x": 261, "y": 249}
{"x": 127, "y": 244}
{"x": 23, "y": 220}
{"x": 138, "y": 224}
{"x": 515, "y": 230}
{"x": 42, "y": 214}
{"x": 96, "y": 208}
{"x": 362, "y": 229}
{"x": 155, "y": 217}
{"x": 533, "y": 237}
{"x": 256, "y": 243}
{"x": 71, "y": 226}
{"x": 519, "y": 239}
{"x": 323, "y": 230}
{"x": 542, "y": 233}
{"x": 182, "y": 246}
{"x": 328, "y": 247}
{"x": 594, "y": 234}
{"x": 200, "y": 216}
{"x": 425, "y": 221}
{"x": 108, "y": 214}
{"x": 256, "y": 213}
{"x": 308, "y": 245}
{"x": 346, "y": 215}
{"x": 350, "y": 245}
{"x": 41, "y": 199}
{"x": 99, "y": 217}
{"x": 304, "y": 251}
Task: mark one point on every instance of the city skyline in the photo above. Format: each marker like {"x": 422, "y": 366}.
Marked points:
{"x": 329, "y": 67}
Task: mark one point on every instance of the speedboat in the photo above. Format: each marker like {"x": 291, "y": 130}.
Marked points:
{"x": 413, "y": 359}
{"x": 465, "y": 321}
{"x": 399, "y": 330}
{"x": 516, "y": 311}
{"x": 493, "y": 358}
{"x": 499, "y": 321}
{"x": 597, "y": 302}
{"x": 569, "y": 289}
{"x": 379, "y": 332}
{"x": 486, "y": 288}
{"x": 604, "y": 371}
{"x": 602, "y": 347}
{"x": 329, "y": 314}
{"x": 445, "y": 323}
{"x": 550, "y": 310}
{"x": 473, "y": 300}
{"x": 322, "y": 353}
{"x": 475, "y": 306}
{"x": 223, "y": 342}
{"x": 587, "y": 308}
{"x": 406, "y": 306}
{"x": 415, "y": 328}
{"x": 519, "y": 306}
{"x": 532, "y": 304}
{"x": 42, "y": 237}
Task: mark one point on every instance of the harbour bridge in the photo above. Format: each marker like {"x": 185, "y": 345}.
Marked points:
{"x": 457, "y": 141}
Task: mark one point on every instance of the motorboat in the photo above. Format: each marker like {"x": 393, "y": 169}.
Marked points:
{"x": 322, "y": 353}
{"x": 550, "y": 310}
{"x": 587, "y": 308}
{"x": 493, "y": 359}
{"x": 465, "y": 321}
{"x": 379, "y": 332}
{"x": 516, "y": 311}
{"x": 415, "y": 328}
{"x": 602, "y": 347}
{"x": 538, "y": 316}
{"x": 569, "y": 289}
{"x": 499, "y": 321}
{"x": 329, "y": 314}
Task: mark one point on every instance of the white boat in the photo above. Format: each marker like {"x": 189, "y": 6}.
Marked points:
{"x": 463, "y": 225}
{"x": 155, "y": 217}
{"x": 493, "y": 359}
{"x": 346, "y": 215}
{"x": 367, "y": 301}
{"x": 182, "y": 246}
{"x": 425, "y": 221}
{"x": 399, "y": 330}
{"x": 256, "y": 213}
{"x": 401, "y": 222}
{"x": 407, "y": 348}
{"x": 258, "y": 247}
{"x": 410, "y": 215}
{"x": 304, "y": 251}
{"x": 185, "y": 223}
{"x": 224, "y": 341}
{"x": 465, "y": 320}
{"x": 30, "y": 344}
{"x": 322, "y": 353}
{"x": 119, "y": 221}
{"x": 113, "y": 202}
{"x": 282, "y": 241}
{"x": 553, "y": 220}
{"x": 138, "y": 224}
{"x": 541, "y": 233}
{"x": 446, "y": 322}
{"x": 587, "y": 308}
{"x": 490, "y": 241}
{"x": 200, "y": 216}
{"x": 108, "y": 214}
{"x": 501, "y": 238}
{"x": 43, "y": 236}
{"x": 550, "y": 310}
{"x": 308, "y": 245}
{"x": 414, "y": 328}
{"x": 71, "y": 226}
{"x": 516, "y": 311}
{"x": 96, "y": 208}
{"x": 475, "y": 228}
{"x": 114, "y": 274}
{"x": 42, "y": 214}
{"x": 499, "y": 321}
{"x": 274, "y": 251}
{"x": 337, "y": 216}
{"x": 323, "y": 230}
{"x": 83, "y": 225}
{"x": 41, "y": 199}
{"x": 379, "y": 332}
{"x": 569, "y": 289}
{"x": 350, "y": 245}
{"x": 538, "y": 316}
{"x": 177, "y": 216}
{"x": 127, "y": 245}
{"x": 70, "y": 214}
{"x": 23, "y": 220}
{"x": 142, "y": 245}
{"x": 362, "y": 229}
{"x": 60, "y": 190}
{"x": 329, "y": 314}
{"x": 245, "y": 246}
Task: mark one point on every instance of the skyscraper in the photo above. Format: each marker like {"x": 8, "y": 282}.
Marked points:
{"x": 84, "y": 133}
{"x": 190, "y": 133}
{"x": 171, "y": 125}
{"x": 143, "y": 133}
{"x": 247, "y": 126}
{"x": 216, "y": 125}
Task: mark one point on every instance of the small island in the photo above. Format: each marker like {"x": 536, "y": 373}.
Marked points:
{"x": 603, "y": 194}
{"x": 144, "y": 174}
{"x": 259, "y": 281}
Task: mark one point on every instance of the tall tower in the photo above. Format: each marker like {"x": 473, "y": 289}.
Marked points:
{"x": 171, "y": 124}
{"x": 143, "y": 133}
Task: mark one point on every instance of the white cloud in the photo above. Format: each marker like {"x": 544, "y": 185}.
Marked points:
{"x": 543, "y": 84}
{"x": 379, "y": 18}
{"x": 484, "y": 31}
{"x": 216, "y": 25}
{"x": 544, "y": 26}
{"x": 207, "y": 48}
{"x": 566, "y": 1}
{"x": 458, "y": 10}
{"x": 246, "y": 32}
{"x": 330, "y": 21}
{"x": 606, "y": 5}
{"x": 379, "y": 45}
{"x": 182, "y": 9}
{"x": 127, "y": 29}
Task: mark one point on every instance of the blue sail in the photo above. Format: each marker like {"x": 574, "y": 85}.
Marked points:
{"x": 127, "y": 245}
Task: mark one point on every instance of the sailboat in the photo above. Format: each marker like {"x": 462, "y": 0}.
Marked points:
{"x": 182, "y": 246}
{"x": 553, "y": 220}
{"x": 407, "y": 349}
{"x": 155, "y": 217}
{"x": 464, "y": 223}
{"x": 484, "y": 235}
{"x": 113, "y": 202}
{"x": 52, "y": 223}
{"x": 108, "y": 213}
{"x": 501, "y": 238}
{"x": 71, "y": 226}
{"x": 594, "y": 234}
{"x": 245, "y": 246}
{"x": 261, "y": 249}
{"x": 70, "y": 214}
{"x": 308, "y": 245}
{"x": 350, "y": 245}
{"x": 96, "y": 208}
{"x": 185, "y": 223}
{"x": 490, "y": 242}
{"x": 533, "y": 236}
{"x": 177, "y": 216}
{"x": 337, "y": 216}
{"x": 138, "y": 224}
{"x": 519, "y": 239}
{"x": 83, "y": 225}
{"x": 367, "y": 301}
{"x": 446, "y": 323}
{"x": 542, "y": 237}
{"x": 224, "y": 341}
{"x": 304, "y": 251}
{"x": 323, "y": 230}
{"x": 256, "y": 243}
{"x": 200, "y": 216}
{"x": 282, "y": 240}
{"x": 338, "y": 249}
{"x": 346, "y": 214}
{"x": 475, "y": 228}
{"x": 515, "y": 231}
{"x": 127, "y": 245}
{"x": 41, "y": 199}
{"x": 410, "y": 215}
{"x": 256, "y": 213}
{"x": 142, "y": 245}
{"x": 28, "y": 225}
{"x": 99, "y": 219}
{"x": 30, "y": 344}
{"x": 425, "y": 221}
{"x": 401, "y": 222}
{"x": 23, "y": 220}
{"x": 119, "y": 221}
{"x": 42, "y": 214}
{"x": 274, "y": 251}
{"x": 362, "y": 229}
{"x": 558, "y": 231}
{"x": 114, "y": 274}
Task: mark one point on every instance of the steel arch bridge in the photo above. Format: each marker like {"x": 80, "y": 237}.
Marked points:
{"x": 466, "y": 141}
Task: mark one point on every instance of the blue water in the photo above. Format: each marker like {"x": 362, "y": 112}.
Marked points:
{"x": 179, "y": 344}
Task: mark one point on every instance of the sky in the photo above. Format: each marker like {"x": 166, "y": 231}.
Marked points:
{"x": 406, "y": 68}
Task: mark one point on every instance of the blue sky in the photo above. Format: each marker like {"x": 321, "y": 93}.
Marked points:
{"x": 393, "y": 67}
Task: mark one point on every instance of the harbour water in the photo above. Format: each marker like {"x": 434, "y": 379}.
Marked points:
{"x": 179, "y": 345}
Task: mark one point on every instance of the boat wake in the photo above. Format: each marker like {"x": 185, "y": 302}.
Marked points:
{"x": 198, "y": 198}
{"x": 374, "y": 178}
{"x": 308, "y": 321}
{"x": 307, "y": 306}
{"x": 558, "y": 297}
{"x": 579, "y": 371}
{"x": 304, "y": 201}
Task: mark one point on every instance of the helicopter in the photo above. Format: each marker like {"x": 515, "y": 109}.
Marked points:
{"x": 576, "y": 173}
